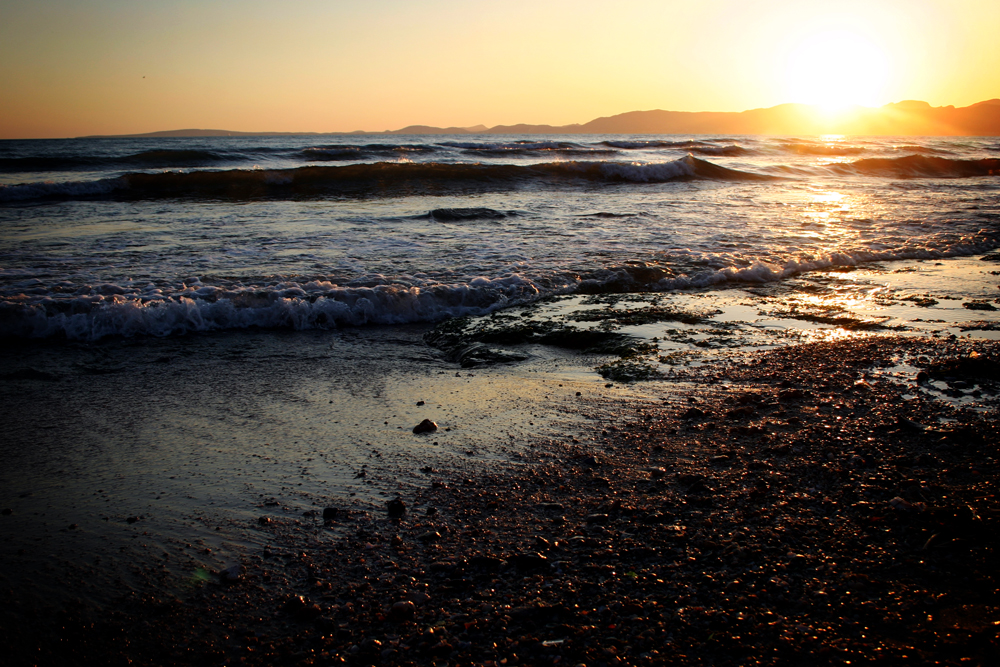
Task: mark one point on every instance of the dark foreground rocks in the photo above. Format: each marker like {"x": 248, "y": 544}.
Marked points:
{"x": 807, "y": 513}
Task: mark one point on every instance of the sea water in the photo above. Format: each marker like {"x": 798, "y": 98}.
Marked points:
{"x": 104, "y": 237}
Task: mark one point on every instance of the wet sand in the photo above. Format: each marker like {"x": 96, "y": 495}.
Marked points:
{"x": 819, "y": 502}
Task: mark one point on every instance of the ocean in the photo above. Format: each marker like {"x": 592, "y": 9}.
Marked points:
{"x": 202, "y": 331}
{"x": 128, "y": 237}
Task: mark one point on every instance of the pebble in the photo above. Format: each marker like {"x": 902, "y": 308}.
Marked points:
{"x": 232, "y": 574}
{"x": 401, "y": 611}
{"x": 329, "y": 514}
{"x": 396, "y": 507}
{"x": 426, "y": 426}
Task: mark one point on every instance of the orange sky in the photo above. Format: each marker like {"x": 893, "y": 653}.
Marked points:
{"x": 70, "y": 68}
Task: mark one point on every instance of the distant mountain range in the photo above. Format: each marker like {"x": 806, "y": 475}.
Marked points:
{"x": 901, "y": 118}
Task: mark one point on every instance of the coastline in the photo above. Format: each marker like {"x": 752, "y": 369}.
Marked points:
{"x": 799, "y": 508}
{"x": 791, "y": 448}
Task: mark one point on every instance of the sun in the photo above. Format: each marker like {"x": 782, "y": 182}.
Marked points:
{"x": 836, "y": 69}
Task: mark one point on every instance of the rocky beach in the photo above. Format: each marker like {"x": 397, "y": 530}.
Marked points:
{"x": 803, "y": 508}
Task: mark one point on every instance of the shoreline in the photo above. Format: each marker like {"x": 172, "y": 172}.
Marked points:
{"x": 802, "y": 507}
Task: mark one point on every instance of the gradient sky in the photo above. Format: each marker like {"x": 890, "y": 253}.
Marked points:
{"x": 79, "y": 67}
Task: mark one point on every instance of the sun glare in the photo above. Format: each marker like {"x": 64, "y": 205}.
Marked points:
{"x": 837, "y": 69}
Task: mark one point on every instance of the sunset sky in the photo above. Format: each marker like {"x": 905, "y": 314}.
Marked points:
{"x": 80, "y": 67}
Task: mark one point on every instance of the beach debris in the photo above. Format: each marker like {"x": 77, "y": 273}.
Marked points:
{"x": 396, "y": 507}
{"x": 330, "y": 514}
{"x": 426, "y": 426}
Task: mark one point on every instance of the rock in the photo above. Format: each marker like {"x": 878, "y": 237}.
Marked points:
{"x": 487, "y": 563}
{"x": 131, "y": 519}
{"x": 264, "y": 520}
{"x": 530, "y": 562}
{"x": 904, "y": 505}
{"x": 396, "y": 507}
{"x": 232, "y": 574}
{"x": 791, "y": 395}
{"x": 7, "y": 511}
{"x": 694, "y": 413}
{"x": 402, "y": 611}
{"x": 902, "y": 423}
{"x": 598, "y": 519}
{"x": 551, "y": 507}
{"x": 657, "y": 473}
{"x": 431, "y": 511}
{"x": 429, "y": 536}
{"x": 426, "y": 426}
{"x": 329, "y": 514}
{"x": 744, "y": 412}
{"x": 294, "y": 603}
{"x": 420, "y": 403}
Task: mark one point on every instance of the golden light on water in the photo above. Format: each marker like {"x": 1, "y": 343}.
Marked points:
{"x": 837, "y": 69}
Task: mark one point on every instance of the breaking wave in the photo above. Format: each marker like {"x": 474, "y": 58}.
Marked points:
{"x": 920, "y": 166}
{"x": 94, "y": 312}
{"x": 363, "y": 180}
